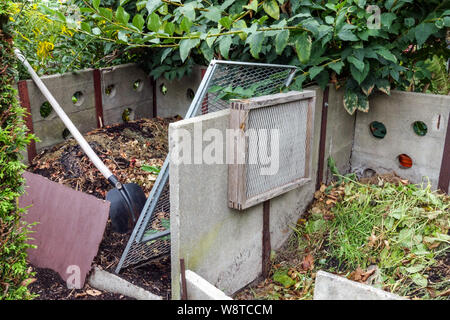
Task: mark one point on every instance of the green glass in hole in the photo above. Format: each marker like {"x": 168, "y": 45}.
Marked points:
{"x": 65, "y": 133}
{"x": 378, "y": 129}
{"x": 45, "y": 109}
{"x": 420, "y": 128}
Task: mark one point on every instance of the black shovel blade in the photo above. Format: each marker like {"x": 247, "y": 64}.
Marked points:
{"x": 126, "y": 206}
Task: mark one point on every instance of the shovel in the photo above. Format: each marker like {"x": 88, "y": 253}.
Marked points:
{"x": 127, "y": 200}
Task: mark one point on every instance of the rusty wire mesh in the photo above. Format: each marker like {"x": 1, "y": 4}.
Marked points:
{"x": 222, "y": 81}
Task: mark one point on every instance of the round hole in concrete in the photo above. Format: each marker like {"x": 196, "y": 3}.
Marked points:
{"x": 128, "y": 114}
{"x": 110, "y": 90}
{"x": 190, "y": 94}
{"x": 368, "y": 173}
{"x": 45, "y": 109}
{"x": 138, "y": 85}
{"x": 378, "y": 129}
{"x": 65, "y": 133}
{"x": 405, "y": 161}
{"x": 78, "y": 98}
{"x": 420, "y": 128}
{"x": 163, "y": 89}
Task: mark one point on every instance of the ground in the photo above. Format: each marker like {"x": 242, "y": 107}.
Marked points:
{"x": 127, "y": 149}
{"x": 380, "y": 231}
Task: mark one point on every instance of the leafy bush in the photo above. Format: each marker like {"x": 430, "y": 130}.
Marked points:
{"x": 361, "y": 46}
{"x": 13, "y": 139}
{"x": 52, "y": 47}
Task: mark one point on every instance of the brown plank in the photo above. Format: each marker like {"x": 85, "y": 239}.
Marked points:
{"x": 266, "y": 247}
{"x": 183, "y": 280}
{"x": 323, "y": 138}
{"x": 69, "y": 230}
{"x": 237, "y": 173}
{"x": 98, "y": 98}
{"x": 309, "y": 133}
{"x": 25, "y": 103}
{"x": 444, "y": 175}
{"x": 155, "y": 101}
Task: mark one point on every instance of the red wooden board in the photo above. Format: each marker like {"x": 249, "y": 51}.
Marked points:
{"x": 69, "y": 230}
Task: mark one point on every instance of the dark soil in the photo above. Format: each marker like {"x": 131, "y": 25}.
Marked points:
{"x": 153, "y": 276}
{"x": 124, "y": 148}
{"x": 50, "y": 286}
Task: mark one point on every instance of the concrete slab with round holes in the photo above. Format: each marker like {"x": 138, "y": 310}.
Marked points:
{"x": 398, "y": 112}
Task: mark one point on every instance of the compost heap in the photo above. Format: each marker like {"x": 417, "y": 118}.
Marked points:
{"x": 124, "y": 148}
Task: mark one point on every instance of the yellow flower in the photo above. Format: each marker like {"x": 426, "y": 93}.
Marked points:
{"x": 44, "y": 48}
{"x": 66, "y": 31}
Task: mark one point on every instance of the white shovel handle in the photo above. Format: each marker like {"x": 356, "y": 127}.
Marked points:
{"x": 63, "y": 116}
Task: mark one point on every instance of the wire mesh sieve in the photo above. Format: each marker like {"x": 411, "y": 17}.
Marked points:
{"x": 223, "y": 80}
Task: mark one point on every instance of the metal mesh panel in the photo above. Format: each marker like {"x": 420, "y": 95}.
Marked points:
{"x": 250, "y": 78}
{"x": 145, "y": 250}
{"x": 264, "y": 79}
{"x": 289, "y": 121}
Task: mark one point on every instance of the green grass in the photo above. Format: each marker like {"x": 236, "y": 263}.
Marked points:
{"x": 402, "y": 229}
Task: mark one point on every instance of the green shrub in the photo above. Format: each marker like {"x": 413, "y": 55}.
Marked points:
{"x": 52, "y": 47}
{"x": 362, "y": 46}
{"x": 13, "y": 139}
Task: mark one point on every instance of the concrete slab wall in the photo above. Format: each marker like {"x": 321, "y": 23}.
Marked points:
{"x": 398, "y": 112}
{"x": 329, "y": 286}
{"x": 176, "y": 100}
{"x": 122, "y": 93}
{"x": 199, "y": 289}
{"x": 63, "y": 87}
{"x": 118, "y": 93}
{"x": 222, "y": 245}
{"x": 340, "y": 133}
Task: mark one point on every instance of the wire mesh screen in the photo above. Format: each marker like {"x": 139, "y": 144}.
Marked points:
{"x": 285, "y": 126}
{"x": 222, "y": 81}
{"x": 234, "y": 81}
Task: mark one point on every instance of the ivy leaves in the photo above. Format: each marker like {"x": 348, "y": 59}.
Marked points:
{"x": 185, "y": 47}
{"x": 331, "y": 40}
{"x": 272, "y": 9}
{"x": 303, "y": 45}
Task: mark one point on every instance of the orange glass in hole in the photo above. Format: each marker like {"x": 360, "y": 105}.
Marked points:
{"x": 405, "y": 160}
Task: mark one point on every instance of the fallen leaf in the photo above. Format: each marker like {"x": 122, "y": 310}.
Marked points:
{"x": 308, "y": 262}
{"x": 356, "y": 275}
{"x": 372, "y": 240}
{"x": 28, "y": 281}
{"x": 367, "y": 274}
{"x": 444, "y": 293}
{"x": 93, "y": 292}
{"x": 432, "y": 292}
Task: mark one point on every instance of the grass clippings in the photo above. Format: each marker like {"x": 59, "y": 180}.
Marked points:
{"x": 385, "y": 232}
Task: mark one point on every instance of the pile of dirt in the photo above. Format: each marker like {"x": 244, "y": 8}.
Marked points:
{"x": 124, "y": 148}
{"x": 48, "y": 285}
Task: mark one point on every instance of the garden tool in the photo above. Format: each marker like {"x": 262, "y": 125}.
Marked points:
{"x": 127, "y": 200}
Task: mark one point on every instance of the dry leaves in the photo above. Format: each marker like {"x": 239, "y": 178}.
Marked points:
{"x": 360, "y": 275}
{"x": 93, "y": 292}
{"x": 123, "y": 147}
{"x": 308, "y": 262}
